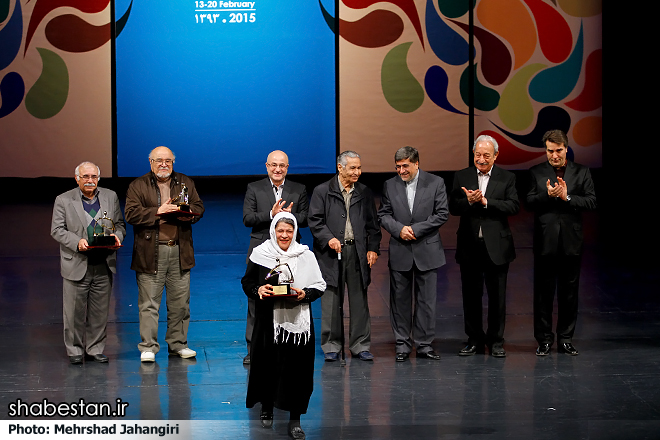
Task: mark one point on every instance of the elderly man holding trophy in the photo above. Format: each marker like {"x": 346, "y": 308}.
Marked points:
{"x": 162, "y": 206}
{"x": 88, "y": 224}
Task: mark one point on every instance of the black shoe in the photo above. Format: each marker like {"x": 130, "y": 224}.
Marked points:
{"x": 101, "y": 358}
{"x": 295, "y": 431}
{"x": 543, "y": 350}
{"x": 77, "y": 359}
{"x": 567, "y": 347}
{"x": 429, "y": 355}
{"x": 497, "y": 351}
{"x": 402, "y": 357}
{"x": 246, "y": 359}
{"x": 471, "y": 349}
{"x": 266, "y": 418}
{"x": 365, "y": 356}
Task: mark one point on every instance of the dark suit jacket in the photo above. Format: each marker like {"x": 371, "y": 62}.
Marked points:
{"x": 429, "y": 213}
{"x": 259, "y": 201}
{"x": 327, "y": 220}
{"x": 493, "y": 220}
{"x": 69, "y": 225}
{"x": 556, "y": 219}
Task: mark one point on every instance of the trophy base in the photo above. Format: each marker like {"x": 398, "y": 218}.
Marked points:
{"x": 103, "y": 240}
{"x": 283, "y": 291}
{"x": 185, "y": 208}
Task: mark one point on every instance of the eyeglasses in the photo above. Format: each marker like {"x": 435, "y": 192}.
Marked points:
{"x": 88, "y": 177}
{"x": 284, "y": 166}
{"x": 163, "y": 161}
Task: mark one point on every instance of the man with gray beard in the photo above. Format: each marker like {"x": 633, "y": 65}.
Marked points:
{"x": 163, "y": 252}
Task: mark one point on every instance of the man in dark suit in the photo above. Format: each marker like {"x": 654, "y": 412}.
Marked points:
{"x": 343, "y": 221}
{"x": 87, "y": 272}
{"x": 484, "y": 196}
{"x": 413, "y": 207}
{"x": 560, "y": 190}
{"x": 263, "y": 199}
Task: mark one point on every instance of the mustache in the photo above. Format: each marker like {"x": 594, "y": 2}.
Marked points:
{"x": 90, "y": 184}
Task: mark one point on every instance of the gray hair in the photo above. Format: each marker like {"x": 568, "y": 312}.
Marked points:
{"x": 77, "y": 171}
{"x": 152, "y": 152}
{"x": 486, "y": 138}
{"x": 342, "y": 158}
{"x": 404, "y": 153}
{"x": 286, "y": 220}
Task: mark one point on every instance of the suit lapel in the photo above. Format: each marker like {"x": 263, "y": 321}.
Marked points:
{"x": 77, "y": 205}
{"x": 422, "y": 185}
{"x": 285, "y": 194}
{"x": 493, "y": 181}
{"x": 570, "y": 177}
{"x": 472, "y": 179}
{"x": 549, "y": 173}
{"x": 268, "y": 189}
{"x": 103, "y": 204}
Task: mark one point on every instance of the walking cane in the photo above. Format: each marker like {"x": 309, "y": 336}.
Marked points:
{"x": 342, "y": 361}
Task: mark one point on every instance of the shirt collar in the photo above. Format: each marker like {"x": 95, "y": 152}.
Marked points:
{"x": 489, "y": 173}
{"x": 341, "y": 186}
{"x": 414, "y": 180}
{"x": 277, "y": 187}
{"x": 84, "y": 197}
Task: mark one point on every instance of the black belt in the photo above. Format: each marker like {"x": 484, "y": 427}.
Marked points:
{"x": 349, "y": 242}
{"x": 170, "y": 243}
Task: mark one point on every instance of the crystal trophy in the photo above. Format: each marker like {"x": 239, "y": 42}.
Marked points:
{"x": 103, "y": 230}
{"x": 182, "y": 200}
{"x": 284, "y": 278}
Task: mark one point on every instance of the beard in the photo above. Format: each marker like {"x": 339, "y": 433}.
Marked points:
{"x": 163, "y": 174}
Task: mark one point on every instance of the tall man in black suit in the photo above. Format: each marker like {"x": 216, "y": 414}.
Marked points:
{"x": 560, "y": 190}
{"x": 413, "y": 207}
{"x": 263, "y": 199}
{"x": 484, "y": 196}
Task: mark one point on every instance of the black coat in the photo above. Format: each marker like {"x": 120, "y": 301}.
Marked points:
{"x": 493, "y": 220}
{"x": 556, "y": 220}
{"x": 280, "y": 374}
{"x": 327, "y": 219}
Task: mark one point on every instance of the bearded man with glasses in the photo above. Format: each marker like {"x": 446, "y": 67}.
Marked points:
{"x": 163, "y": 252}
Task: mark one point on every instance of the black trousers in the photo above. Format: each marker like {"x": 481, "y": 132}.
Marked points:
{"x": 560, "y": 273}
{"x": 479, "y": 271}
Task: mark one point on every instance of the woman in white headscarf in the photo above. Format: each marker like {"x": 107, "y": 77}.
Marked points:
{"x": 282, "y": 348}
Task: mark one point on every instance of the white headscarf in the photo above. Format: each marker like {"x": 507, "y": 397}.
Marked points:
{"x": 290, "y": 318}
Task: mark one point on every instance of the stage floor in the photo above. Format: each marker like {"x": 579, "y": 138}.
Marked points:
{"x": 610, "y": 391}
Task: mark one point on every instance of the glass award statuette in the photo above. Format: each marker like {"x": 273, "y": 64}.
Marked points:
{"x": 182, "y": 199}
{"x": 102, "y": 232}
{"x": 284, "y": 279}
{"x": 182, "y": 203}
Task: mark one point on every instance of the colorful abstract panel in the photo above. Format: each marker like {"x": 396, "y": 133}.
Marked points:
{"x": 535, "y": 65}
{"x": 404, "y": 89}
{"x": 55, "y": 92}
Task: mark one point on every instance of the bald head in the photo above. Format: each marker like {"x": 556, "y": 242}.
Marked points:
{"x": 278, "y": 156}
{"x": 162, "y": 162}
{"x": 277, "y": 165}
